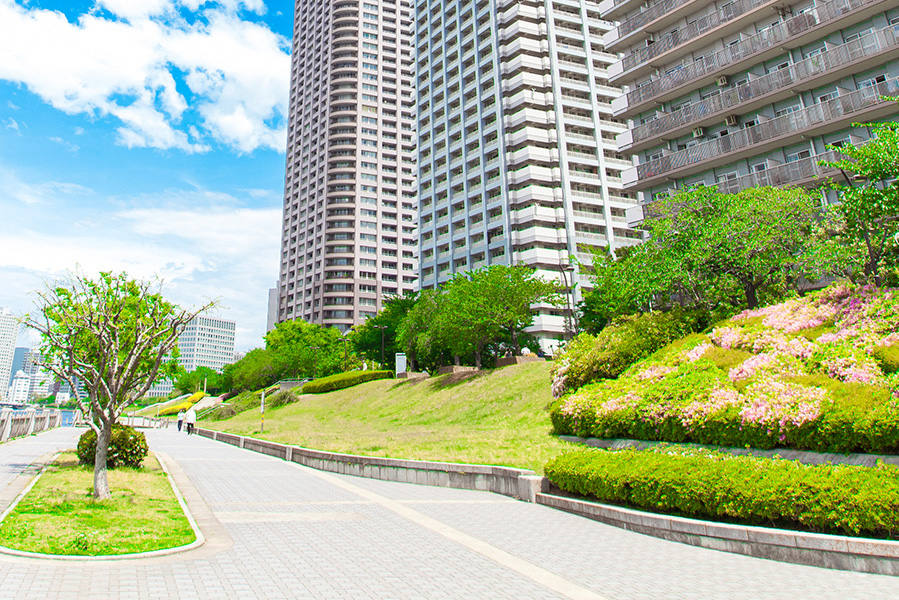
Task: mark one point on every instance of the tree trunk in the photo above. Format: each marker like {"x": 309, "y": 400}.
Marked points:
{"x": 101, "y": 484}
{"x": 477, "y": 358}
{"x": 751, "y": 297}
{"x": 457, "y": 359}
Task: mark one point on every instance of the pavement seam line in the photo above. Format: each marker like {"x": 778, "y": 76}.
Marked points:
{"x": 523, "y": 567}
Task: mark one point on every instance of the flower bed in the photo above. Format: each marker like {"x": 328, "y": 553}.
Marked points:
{"x": 815, "y": 373}
{"x": 837, "y": 499}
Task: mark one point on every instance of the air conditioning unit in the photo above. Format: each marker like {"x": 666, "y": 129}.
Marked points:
{"x": 730, "y": 120}
{"x": 698, "y": 132}
{"x": 722, "y": 81}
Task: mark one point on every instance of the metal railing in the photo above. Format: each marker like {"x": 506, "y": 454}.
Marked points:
{"x": 728, "y": 12}
{"x": 649, "y": 15}
{"x": 793, "y": 123}
{"x": 805, "y": 169}
{"x": 809, "y": 68}
{"x": 772, "y": 37}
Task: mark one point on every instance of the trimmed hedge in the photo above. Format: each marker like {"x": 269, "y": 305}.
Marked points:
{"x": 127, "y": 447}
{"x": 174, "y": 410}
{"x": 628, "y": 339}
{"x": 839, "y": 499}
{"x": 343, "y": 380}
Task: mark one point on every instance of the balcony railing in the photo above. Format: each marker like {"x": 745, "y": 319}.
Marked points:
{"x": 792, "y": 173}
{"x": 809, "y": 68}
{"x": 765, "y": 40}
{"x": 815, "y": 115}
{"x": 649, "y": 15}
{"x": 699, "y": 27}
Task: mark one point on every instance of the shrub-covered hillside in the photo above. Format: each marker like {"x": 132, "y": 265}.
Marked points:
{"x": 816, "y": 373}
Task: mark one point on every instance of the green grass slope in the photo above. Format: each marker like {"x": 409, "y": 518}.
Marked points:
{"x": 494, "y": 417}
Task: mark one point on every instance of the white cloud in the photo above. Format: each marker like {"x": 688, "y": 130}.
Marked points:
{"x": 204, "y": 245}
{"x": 235, "y": 71}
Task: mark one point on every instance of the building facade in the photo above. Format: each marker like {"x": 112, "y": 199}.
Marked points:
{"x": 348, "y": 236}
{"x": 747, "y": 92}
{"x": 518, "y": 161}
{"x": 9, "y": 332}
{"x": 205, "y": 342}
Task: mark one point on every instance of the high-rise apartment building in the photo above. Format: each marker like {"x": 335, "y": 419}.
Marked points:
{"x": 9, "y": 332}
{"x": 348, "y": 237}
{"x": 518, "y": 161}
{"x": 747, "y": 92}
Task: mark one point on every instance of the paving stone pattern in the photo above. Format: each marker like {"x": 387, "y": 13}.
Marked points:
{"x": 298, "y": 533}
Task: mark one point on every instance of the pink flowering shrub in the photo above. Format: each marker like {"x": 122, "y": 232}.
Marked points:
{"x": 838, "y": 393}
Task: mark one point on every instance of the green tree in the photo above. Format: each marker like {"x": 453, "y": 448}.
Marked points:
{"x": 301, "y": 349}
{"x": 199, "y": 379}
{"x": 115, "y": 335}
{"x": 486, "y": 304}
{"x": 869, "y": 207}
{"x": 366, "y": 338}
{"x": 421, "y": 334}
{"x": 255, "y": 370}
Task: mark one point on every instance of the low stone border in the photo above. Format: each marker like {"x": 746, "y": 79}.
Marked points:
{"x": 817, "y": 549}
{"x": 802, "y": 456}
{"x": 516, "y": 483}
{"x": 43, "y": 463}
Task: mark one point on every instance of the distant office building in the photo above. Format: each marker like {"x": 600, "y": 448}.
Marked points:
{"x": 18, "y": 361}
{"x": 205, "y": 342}
{"x": 746, "y": 93}
{"x": 9, "y": 332}
{"x": 19, "y": 389}
{"x": 518, "y": 161}
{"x": 348, "y": 234}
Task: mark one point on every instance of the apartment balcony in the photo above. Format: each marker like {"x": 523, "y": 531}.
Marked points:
{"x": 802, "y": 172}
{"x": 538, "y": 235}
{"x": 530, "y": 116}
{"x": 614, "y": 9}
{"x": 818, "y": 119}
{"x": 808, "y": 26}
{"x": 656, "y": 17}
{"x": 725, "y": 21}
{"x": 831, "y": 65}
{"x": 534, "y": 193}
{"x": 535, "y": 213}
{"x": 531, "y": 134}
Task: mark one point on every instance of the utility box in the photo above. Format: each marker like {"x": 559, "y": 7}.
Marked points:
{"x": 400, "y": 362}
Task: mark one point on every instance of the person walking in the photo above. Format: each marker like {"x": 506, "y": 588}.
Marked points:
{"x": 191, "y": 418}
{"x": 180, "y": 418}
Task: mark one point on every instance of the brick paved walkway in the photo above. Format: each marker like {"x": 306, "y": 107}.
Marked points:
{"x": 298, "y": 533}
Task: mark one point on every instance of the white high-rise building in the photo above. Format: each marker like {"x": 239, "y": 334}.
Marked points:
{"x": 518, "y": 161}
{"x": 9, "y": 331}
{"x": 205, "y": 342}
{"x": 348, "y": 235}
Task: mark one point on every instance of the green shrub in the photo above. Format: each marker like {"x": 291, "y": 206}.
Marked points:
{"x": 280, "y": 399}
{"x": 887, "y": 358}
{"x": 127, "y": 447}
{"x": 618, "y": 346}
{"x": 839, "y": 499}
{"x": 220, "y": 412}
{"x": 343, "y": 380}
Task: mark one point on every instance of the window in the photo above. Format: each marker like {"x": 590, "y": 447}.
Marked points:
{"x": 795, "y": 156}
{"x": 787, "y": 110}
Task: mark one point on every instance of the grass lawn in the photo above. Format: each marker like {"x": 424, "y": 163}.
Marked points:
{"x": 495, "y": 417}
{"x": 58, "y": 515}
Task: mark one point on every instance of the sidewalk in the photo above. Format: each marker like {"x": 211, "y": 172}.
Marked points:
{"x": 300, "y": 533}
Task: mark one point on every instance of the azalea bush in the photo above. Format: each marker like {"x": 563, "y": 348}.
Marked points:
{"x": 840, "y": 499}
{"x": 803, "y": 374}
{"x": 627, "y": 340}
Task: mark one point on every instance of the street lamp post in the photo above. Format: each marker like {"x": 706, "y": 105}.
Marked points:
{"x": 345, "y": 337}
{"x": 565, "y": 267}
{"x": 314, "y": 352}
{"x": 382, "y": 328}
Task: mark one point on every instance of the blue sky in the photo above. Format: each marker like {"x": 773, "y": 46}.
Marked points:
{"x": 145, "y": 136}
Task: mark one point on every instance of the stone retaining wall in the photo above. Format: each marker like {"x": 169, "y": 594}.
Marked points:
{"x": 516, "y": 483}
{"x": 816, "y": 549}
{"x": 802, "y": 456}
